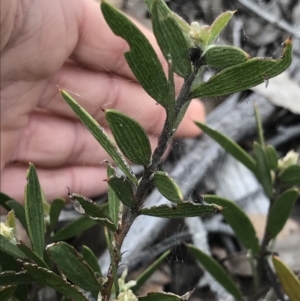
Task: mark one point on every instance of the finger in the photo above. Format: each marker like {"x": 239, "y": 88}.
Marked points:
{"x": 99, "y": 48}
{"x": 98, "y": 91}
{"x": 52, "y": 142}
{"x": 85, "y": 180}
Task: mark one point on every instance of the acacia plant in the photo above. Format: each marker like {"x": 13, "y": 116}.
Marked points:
{"x": 188, "y": 49}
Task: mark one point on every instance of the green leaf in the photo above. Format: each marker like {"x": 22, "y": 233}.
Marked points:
{"x": 93, "y": 210}
{"x": 244, "y": 76}
{"x": 221, "y": 57}
{"x": 91, "y": 259}
{"x": 10, "y": 264}
{"x": 263, "y": 171}
{"x": 56, "y": 207}
{"x": 115, "y": 257}
{"x": 218, "y": 25}
{"x": 183, "y": 209}
{"x": 13, "y": 278}
{"x": 162, "y": 296}
{"x": 290, "y": 175}
{"x": 10, "y": 248}
{"x": 74, "y": 267}
{"x": 74, "y": 228}
{"x": 217, "y": 271}
{"x": 123, "y": 189}
{"x": 11, "y": 220}
{"x": 98, "y": 132}
{"x": 142, "y": 59}
{"x": 172, "y": 40}
{"x": 130, "y": 137}
{"x": 288, "y": 280}
{"x": 146, "y": 274}
{"x": 206, "y": 35}
{"x": 19, "y": 212}
{"x": 167, "y": 186}
{"x": 272, "y": 158}
{"x": 32, "y": 255}
{"x": 280, "y": 211}
{"x": 3, "y": 200}
{"x": 48, "y": 278}
{"x": 259, "y": 127}
{"x": 7, "y": 291}
{"x": 229, "y": 146}
{"x": 238, "y": 221}
{"x": 114, "y": 204}
{"x": 34, "y": 211}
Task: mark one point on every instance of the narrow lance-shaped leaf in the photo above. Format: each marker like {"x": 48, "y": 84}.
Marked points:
{"x": 56, "y": 207}
{"x": 244, "y": 76}
{"x": 142, "y": 59}
{"x": 7, "y": 291}
{"x": 167, "y": 186}
{"x": 146, "y": 274}
{"x": 288, "y": 280}
{"x": 19, "y": 212}
{"x": 218, "y": 25}
{"x": 73, "y": 266}
{"x": 280, "y": 211}
{"x": 98, "y": 132}
{"x": 272, "y": 158}
{"x": 259, "y": 127}
{"x": 91, "y": 259}
{"x": 230, "y": 146}
{"x": 183, "y": 209}
{"x": 114, "y": 204}
{"x": 10, "y": 248}
{"x": 217, "y": 271}
{"x": 74, "y": 228}
{"x": 92, "y": 210}
{"x": 224, "y": 56}
{"x": 34, "y": 211}
{"x": 31, "y": 255}
{"x": 130, "y": 137}
{"x": 123, "y": 190}
{"x": 172, "y": 40}
{"x": 263, "y": 171}
{"x": 11, "y": 278}
{"x": 46, "y": 277}
{"x": 238, "y": 220}
{"x": 290, "y": 175}
{"x": 206, "y": 35}
{"x": 11, "y": 221}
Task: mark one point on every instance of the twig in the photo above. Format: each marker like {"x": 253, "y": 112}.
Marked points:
{"x": 280, "y": 24}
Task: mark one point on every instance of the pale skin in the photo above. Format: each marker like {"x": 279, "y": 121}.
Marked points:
{"x": 46, "y": 45}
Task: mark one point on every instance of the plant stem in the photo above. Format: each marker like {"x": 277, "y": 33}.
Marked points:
{"x": 144, "y": 184}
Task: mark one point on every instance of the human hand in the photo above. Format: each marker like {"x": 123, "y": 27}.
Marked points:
{"x": 66, "y": 43}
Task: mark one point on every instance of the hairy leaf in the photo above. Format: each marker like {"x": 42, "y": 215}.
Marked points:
{"x": 142, "y": 59}
{"x": 290, "y": 175}
{"x": 244, "y": 76}
{"x": 56, "y": 207}
{"x": 34, "y": 211}
{"x": 217, "y": 271}
{"x": 73, "y": 266}
{"x": 229, "y": 146}
{"x": 10, "y": 248}
{"x": 183, "y": 209}
{"x": 238, "y": 220}
{"x": 130, "y": 137}
{"x": 98, "y": 132}
{"x": 167, "y": 186}
{"x": 280, "y": 211}
{"x": 91, "y": 259}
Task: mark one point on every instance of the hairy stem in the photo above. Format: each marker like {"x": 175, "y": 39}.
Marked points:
{"x": 144, "y": 184}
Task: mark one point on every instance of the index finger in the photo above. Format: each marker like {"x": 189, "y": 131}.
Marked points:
{"x": 100, "y": 49}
